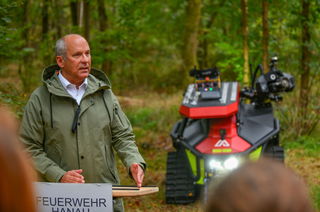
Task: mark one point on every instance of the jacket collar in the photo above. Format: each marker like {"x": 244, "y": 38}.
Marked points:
{"x": 97, "y": 80}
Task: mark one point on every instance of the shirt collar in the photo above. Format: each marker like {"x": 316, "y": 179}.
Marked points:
{"x": 65, "y": 83}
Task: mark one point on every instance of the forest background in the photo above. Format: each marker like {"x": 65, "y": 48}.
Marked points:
{"x": 147, "y": 48}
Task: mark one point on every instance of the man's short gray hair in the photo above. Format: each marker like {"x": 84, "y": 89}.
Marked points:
{"x": 61, "y": 49}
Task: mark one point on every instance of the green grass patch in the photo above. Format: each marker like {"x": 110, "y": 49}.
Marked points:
{"x": 159, "y": 120}
{"x": 309, "y": 144}
{"x": 142, "y": 117}
{"x": 303, "y": 158}
{"x": 14, "y": 101}
{"x": 315, "y": 193}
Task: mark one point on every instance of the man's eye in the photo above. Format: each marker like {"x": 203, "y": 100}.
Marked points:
{"x": 76, "y": 55}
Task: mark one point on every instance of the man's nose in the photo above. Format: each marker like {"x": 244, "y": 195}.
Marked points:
{"x": 85, "y": 58}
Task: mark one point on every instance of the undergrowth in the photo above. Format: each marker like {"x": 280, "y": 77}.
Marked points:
{"x": 310, "y": 145}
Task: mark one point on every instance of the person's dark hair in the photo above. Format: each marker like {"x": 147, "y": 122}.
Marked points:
{"x": 17, "y": 175}
{"x": 262, "y": 186}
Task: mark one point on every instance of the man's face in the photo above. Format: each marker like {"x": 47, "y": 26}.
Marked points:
{"x": 77, "y": 64}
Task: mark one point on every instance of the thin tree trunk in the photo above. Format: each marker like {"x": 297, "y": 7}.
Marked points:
{"x": 189, "y": 50}
{"x": 103, "y": 26}
{"x": 46, "y": 55}
{"x": 305, "y": 60}
{"x": 203, "y": 44}
{"x": 25, "y": 22}
{"x": 202, "y": 54}
{"x": 74, "y": 8}
{"x": 80, "y": 13}
{"x": 86, "y": 17}
{"x": 45, "y": 19}
{"x": 245, "y": 32}
{"x": 58, "y": 18}
{"x": 103, "y": 18}
{"x": 265, "y": 35}
{"x": 26, "y": 58}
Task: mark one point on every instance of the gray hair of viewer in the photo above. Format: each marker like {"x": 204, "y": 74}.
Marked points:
{"x": 262, "y": 186}
{"x": 61, "y": 48}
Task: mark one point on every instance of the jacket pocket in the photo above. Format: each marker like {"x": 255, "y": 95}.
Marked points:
{"x": 110, "y": 163}
{"x": 54, "y": 153}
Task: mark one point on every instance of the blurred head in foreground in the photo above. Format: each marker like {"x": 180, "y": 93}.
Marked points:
{"x": 16, "y": 175}
{"x": 262, "y": 186}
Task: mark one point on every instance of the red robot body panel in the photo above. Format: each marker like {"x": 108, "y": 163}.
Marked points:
{"x": 209, "y": 112}
{"x": 229, "y": 143}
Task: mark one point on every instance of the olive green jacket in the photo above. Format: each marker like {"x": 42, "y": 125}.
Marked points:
{"x": 58, "y": 141}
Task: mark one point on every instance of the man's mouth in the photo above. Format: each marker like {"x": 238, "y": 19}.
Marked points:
{"x": 84, "y": 68}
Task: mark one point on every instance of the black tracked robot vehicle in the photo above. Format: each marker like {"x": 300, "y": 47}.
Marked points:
{"x": 221, "y": 129}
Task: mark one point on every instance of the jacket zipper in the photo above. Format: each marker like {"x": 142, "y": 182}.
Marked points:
{"x": 75, "y": 130}
{"x": 75, "y": 120}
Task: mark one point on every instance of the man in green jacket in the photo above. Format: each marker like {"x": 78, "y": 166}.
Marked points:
{"x": 73, "y": 123}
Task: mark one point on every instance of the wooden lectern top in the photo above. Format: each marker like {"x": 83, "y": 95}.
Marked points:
{"x": 130, "y": 191}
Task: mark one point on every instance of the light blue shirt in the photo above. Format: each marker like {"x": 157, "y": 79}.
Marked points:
{"x": 75, "y": 93}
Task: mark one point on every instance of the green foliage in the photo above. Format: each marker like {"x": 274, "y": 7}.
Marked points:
{"x": 9, "y": 95}
{"x": 140, "y": 43}
{"x": 302, "y": 155}
{"x": 9, "y": 34}
{"x": 231, "y": 64}
{"x": 310, "y": 145}
{"x": 221, "y": 26}
{"x": 315, "y": 192}
{"x": 144, "y": 118}
{"x": 143, "y": 38}
{"x": 288, "y": 113}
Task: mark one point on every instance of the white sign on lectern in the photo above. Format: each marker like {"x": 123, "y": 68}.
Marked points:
{"x": 71, "y": 197}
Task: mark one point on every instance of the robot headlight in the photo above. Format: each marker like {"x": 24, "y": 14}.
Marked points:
{"x": 228, "y": 164}
{"x": 215, "y": 164}
{"x": 231, "y": 163}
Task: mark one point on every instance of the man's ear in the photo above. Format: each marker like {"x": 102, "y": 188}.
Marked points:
{"x": 60, "y": 61}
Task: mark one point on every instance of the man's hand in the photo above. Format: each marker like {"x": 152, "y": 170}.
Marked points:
{"x": 72, "y": 176}
{"x": 137, "y": 174}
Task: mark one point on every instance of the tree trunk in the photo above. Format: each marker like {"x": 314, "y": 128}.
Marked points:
{"x": 46, "y": 27}
{"x": 190, "y": 45}
{"x": 86, "y": 17}
{"x": 202, "y": 54}
{"x": 58, "y": 22}
{"x": 204, "y": 44}
{"x": 265, "y": 35}
{"x": 25, "y": 22}
{"x": 45, "y": 19}
{"x": 103, "y": 18}
{"x": 103, "y": 26}
{"x": 305, "y": 68}
{"x": 74, "y": 8}
{"x": 80, "y": 13}
{"x": 25, "y": 62}
{"x": 245, "y": 32}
